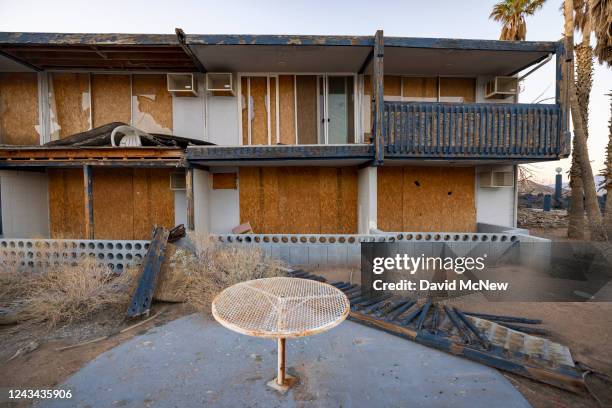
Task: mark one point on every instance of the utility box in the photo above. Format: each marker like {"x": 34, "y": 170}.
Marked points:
{"x": 182, "y": 84}
{"x": 494, "y": 179}
{"x": 501, "y": 87}
{"x": 220, "y": 83}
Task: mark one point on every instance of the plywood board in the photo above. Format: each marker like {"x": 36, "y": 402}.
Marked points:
{"x": 428, "y": 199}
{"x": 66, "y": 203}
{"x": 70, "y": 104}
{"x": 286, "y": 109}
{"x": 393, "y": 85}
{"x": 151, "y": 103}
{"x": 19, "y": 108}
{"x": 463, "y": 87}
{"x": 420, "y": 87}
{"x": 244, "y": 84}
{"x": 307, "y": 124}
{"x": 113, "y": 203}
{"x": 273, "y": 134}
{"x": 296, "y": 200}
{"x": 259, "y": 112}
{"x": 110, "y": 99}
{"x": 224, "y": 181}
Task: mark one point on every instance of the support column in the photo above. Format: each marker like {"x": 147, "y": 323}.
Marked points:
{"x": 88, "y": 194}
{"x": 378, "y": 93}
{"x": 367, "y": 199}
{"x": 189, "y": 195}
{"x": 280, "y": 377}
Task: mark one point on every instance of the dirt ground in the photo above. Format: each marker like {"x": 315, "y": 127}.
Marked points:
{"x": 46, "y": 366}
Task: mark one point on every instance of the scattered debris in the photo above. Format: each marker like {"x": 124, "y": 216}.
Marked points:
{"x": 28, "y": 348}
{"x": 243, "y": 229}
{"x": 532, "y": 217}
{"x": 462, "y": 333}
{"x": 101, "y": 136}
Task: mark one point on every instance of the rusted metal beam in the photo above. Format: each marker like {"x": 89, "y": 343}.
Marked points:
{"x": 378, "y": 95}
{"x": 143, "y": 296}
{"x": 190, "y": 202}
{"x": 88, "y": 201}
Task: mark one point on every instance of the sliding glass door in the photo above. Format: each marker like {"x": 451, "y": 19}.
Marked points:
{"x": 336, "y": 109}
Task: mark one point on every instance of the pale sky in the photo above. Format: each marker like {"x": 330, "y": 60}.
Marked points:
{"x": 411, "y": 18}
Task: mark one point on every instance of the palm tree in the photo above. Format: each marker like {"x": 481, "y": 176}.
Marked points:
{"x": 584, "y": 84}
{"x": 607, "y": 182}
{"x": 581, "y": 151}
{"x": 512, "y": 13}
{"x": 601, "y": 17}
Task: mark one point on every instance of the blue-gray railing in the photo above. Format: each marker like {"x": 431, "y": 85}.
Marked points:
{"x": 473, "y": 130}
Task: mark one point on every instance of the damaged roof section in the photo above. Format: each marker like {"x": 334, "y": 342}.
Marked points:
{"x": 135, "y": 52}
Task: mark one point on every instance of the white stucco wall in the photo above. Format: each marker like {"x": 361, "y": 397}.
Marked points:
{"x": 224, "y": 205}
{"x": 189, "y": 113}
{"x": 497, "y": 205}
{"x": 201, "y": 193}
{"x": 25, "y": 204}
{"x": 222, "y": 120}
{"x": 367, "y": 199}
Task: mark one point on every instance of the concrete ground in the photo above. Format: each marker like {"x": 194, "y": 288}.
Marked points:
{"x": 194, "y": 362}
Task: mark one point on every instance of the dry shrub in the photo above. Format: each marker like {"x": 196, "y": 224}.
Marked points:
{"x": 66, "y": 294}
{"x": 197, "y": 276}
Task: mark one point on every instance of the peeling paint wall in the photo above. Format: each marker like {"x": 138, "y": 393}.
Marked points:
{"x": 69, "y": 104}
{"x": 25, "y": 210}
{"x": 151, "y": 104}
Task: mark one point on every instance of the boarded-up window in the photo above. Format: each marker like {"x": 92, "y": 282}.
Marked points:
{"x": 457, "y": 89}
{"x": 296, "y": 200}
{"x": 19, "y": 108}
{"x": 259, "y": 110}
{"x": 307, "y": 124}
{"x": 110, "y": 99}
{"x": 151, "y": 103}
{"x": 426, "y": 199}
{"x": 69, "y": 104}
{"x": 127, "y": 202}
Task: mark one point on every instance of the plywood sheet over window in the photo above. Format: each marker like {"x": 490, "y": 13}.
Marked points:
{"x": 110, "y": 99}
{"x": 286, "y": 95}
{"x": 127, "y": 202}
{"x": 294, "y": 200}
{"x": 66, "y": 204}
{"x": 151, "y": 103}
{"x": 70, "y": 104}
{"x": 420, "y": 87}
{"x": 307, "y": 123}
{"x": 259, "y": 110}
{"x": 426, "y": 199}
{"x": 464, "y": 88}
{"x": 19, "y": 108}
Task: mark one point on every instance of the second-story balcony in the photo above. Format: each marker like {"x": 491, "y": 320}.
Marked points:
{"x": 473, "y": 130}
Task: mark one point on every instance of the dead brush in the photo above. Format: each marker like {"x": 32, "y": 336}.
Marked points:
{"x": 61, "y": 295}
{"x": 196, "y": 277}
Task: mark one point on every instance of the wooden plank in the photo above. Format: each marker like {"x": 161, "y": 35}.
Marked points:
{"x": 378, "y": 91}
{"x": 286, "y": 109}
{"x": 19, "y": 108}
{"x": 88, "y": 199}
{"x": 272, "y": 107}
{"x": 393, "y": 85}
{"x": 143, "y": 296}
{"x": 245, "y": 103}
{"x": 249, "y": 193}
{"x": 113, "y": 199}
{"x": 56, "y": 153}
{"x": 390, "y": 208}
{"x": 151, "y": 103}
{"x": 70, "y": 104}
{"x": 306, "y": 89}
{"x": 110, "y": 99}
{"x": 224, "y": 181}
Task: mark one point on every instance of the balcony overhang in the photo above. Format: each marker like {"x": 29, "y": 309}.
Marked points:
{"x": 12, "y": 157}
{"x": 281, "y": 155}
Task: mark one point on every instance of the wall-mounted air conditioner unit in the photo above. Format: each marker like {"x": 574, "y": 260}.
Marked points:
{"x": 496, "y": 178}
{"x": 220, "y": 83}
{"x": 178, "y": 181}
{"x": 182, "y": 84}
{"x": 501, "y": 87}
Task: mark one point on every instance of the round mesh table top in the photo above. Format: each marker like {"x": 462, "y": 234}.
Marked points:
{"x": 280, "y": 307}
